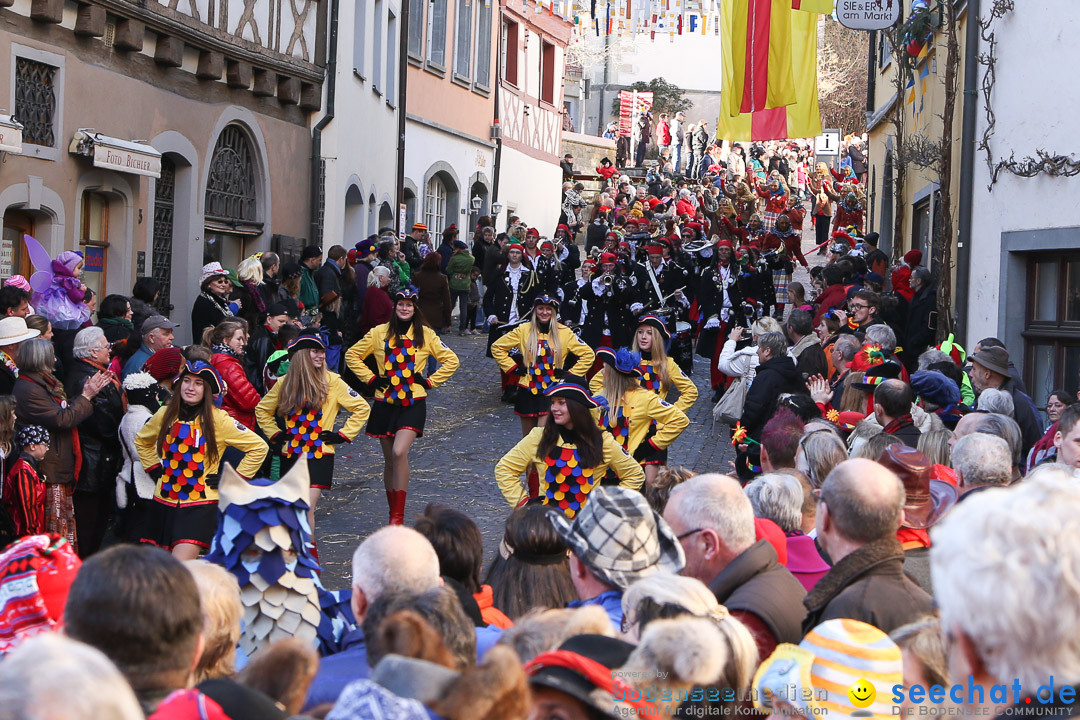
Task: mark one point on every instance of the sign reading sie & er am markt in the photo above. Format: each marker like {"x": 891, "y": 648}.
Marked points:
{"x": 868, "y": 14}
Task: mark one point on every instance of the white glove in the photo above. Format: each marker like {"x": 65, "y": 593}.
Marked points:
{"x": 492, "y": 319}
{"x": 121, "y": 492}
{"x": 636, "y": 308}
{"x": 711, "y": 323}
{"x": 562, "y": 295}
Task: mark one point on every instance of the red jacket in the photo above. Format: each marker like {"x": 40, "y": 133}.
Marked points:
{"x": 241, "y": 397}
{"x": 488, "y": 612}
{"x": 24, "y": 498}
{"x": 796, "y": 215}
{"x": 606, "y": 172}
{"x": 901, "y": 282}
{"x": 685, "y": 206}
{"x": 834, "y": 296}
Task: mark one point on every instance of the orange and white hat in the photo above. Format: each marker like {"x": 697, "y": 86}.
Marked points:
{"x": 842, "y": 657}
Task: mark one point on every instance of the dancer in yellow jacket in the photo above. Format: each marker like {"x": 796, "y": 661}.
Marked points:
{"x": 400, "y": 350}
{"x": 570, "y": 454}
{"x": 299, "y": 412}
{"x": 639, "y": 420}
{"x": 543, "y": 344}
{"x": 181, "y": 448}
{"x": 659, "y": 373}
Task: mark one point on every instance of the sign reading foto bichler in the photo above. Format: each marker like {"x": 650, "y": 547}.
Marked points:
{"x": 868, "y": 14}
{"x": 126, "y": 160}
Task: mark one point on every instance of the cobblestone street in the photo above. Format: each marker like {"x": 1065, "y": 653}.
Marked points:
{"x": 468, "y": 430}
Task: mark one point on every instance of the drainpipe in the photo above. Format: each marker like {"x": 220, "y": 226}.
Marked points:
{"x": 965, "y": 211}
{"x": 403, "y": 85}
{"x": 497, "y": 171}
{"x": 318, "y": 180}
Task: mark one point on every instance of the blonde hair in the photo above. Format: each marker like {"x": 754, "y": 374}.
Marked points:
{"x": 659, "y": 356}
{"x": 765, "y": 325}
{"x": 616, "y": 386}
{"x": 304, "y": 385}
{"x": 250, "y": 270}
{"x": 533, "y": 342}
{"x": 935, "y": 446}
{"x": 219, "y": 595}
{"x": 853, "y": 399}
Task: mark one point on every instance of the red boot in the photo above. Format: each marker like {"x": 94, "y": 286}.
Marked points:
{"x": 397, "y": 507}
{"x": 390, "y": 503}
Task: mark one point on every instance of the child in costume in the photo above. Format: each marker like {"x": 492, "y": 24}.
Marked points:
{"x": 24, "y": 488}
{"x": 59, "y": 293}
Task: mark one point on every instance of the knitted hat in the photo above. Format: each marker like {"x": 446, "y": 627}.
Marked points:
{"x": 419, "y": 226}
{"x": 366, "y": 246}
{"x": 32, "y": 435}
{"x": 311, "y": 251}
{"x": 142, "y": 388}
{"x": 913, "y": 257}
{"x": 70, "y": 259}
{"x": 35, "y": 575}
{"x": 18, "y": 281}
{"x": 829, "y": 670}
{"x": 934, "y": 387}
{"x": 515, "y": 246}
{"x": 950, "y": 347}
{"x": 165, "y": 363}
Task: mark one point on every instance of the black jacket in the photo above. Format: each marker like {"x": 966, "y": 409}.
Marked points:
{"x": 595, "y": 234}
{"x": 99, "y": 434}
{"x": 775, "y": 377}
{"x": 609, "y": 309}
{"x": 812, "y": 361}
{"x": 921, "y": 324}
{"x": 757, "y": 583}
{"x": 1030, "y": 427}
{"x": 868, "y": 585}
{"x": 206, "y": 314}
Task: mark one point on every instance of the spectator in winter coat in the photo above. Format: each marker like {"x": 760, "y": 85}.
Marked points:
{"x": 227, "y": 343}
{"x": 810, "y": 359}
{"x": 990, "y": 369}
{"x": 921, "y": 322}
{"x": 860, "y": 509}
{"x": 434, "y": 292}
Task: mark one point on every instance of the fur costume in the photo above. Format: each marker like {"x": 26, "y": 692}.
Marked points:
{"x": 263, "y": 538}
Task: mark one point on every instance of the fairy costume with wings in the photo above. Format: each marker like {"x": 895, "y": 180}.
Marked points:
{"x": 58, "y": 291}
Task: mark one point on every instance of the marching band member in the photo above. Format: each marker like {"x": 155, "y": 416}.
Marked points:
{"x": 544, "y": 344}
{"x": 507, "y": 300}
{"x": 400, "y": 350}
{"x": 298, "y": 414}
{"x": 570, "y": 454}
{"x": 181, "y": 447}
{"x": 639, "y": 420}
{"x": 719, "y": 297}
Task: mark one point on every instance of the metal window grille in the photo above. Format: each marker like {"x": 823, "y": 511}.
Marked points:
{"x": 35, "y": 101}
{"x": 164, "y": 213}
{"x": 230, "y": 189}
{"x": 435, "y": 206}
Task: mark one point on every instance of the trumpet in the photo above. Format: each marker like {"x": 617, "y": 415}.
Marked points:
{"x": 608, "y": 279}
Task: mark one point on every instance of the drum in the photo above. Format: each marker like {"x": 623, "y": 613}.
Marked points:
{"x": 682, "y": 346}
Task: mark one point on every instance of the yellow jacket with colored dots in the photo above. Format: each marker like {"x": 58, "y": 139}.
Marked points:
{"x": 688, "y": 391}
{"x": 519, "y": 338}
{"x": 514, "y": 464}
{"x": 339, "y": 395}
{"x": 640, "y": 408}
{"x": 228, "y": 432}
{"x": 374, "y": 345}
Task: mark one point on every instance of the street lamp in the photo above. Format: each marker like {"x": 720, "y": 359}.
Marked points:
{"x": 477, "y": 201}
{"x": 496, "y": 208}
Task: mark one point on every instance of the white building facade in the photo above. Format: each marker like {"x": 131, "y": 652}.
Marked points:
{"x": 1025, "y": 251}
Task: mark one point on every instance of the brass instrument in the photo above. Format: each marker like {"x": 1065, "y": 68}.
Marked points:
{"x": 608, "y": 279}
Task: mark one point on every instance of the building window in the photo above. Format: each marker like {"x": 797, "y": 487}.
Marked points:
{"x": 509, "y": 59}
{"x": 483, "y": 44}
{"x": 547, "y": 72}
{"x": 95, "y": 238}
{"x": 35, "y": 101}
{"x": 230, "y": 189}
{"x": 436, "y": 38}
{"x": 885, "y": 50}
{"x": 377, "y": 48}
{"x": 360, "y": 37}
{"x": 391, "y": 57}
{"x": 1052, "y": 324}
{"x": 231, "y": 198}
{"x": 463, "y": 39}
{"x": 435, "y": 206}
{"x": 920, "y": 226}
{"x": 164, "y": 214}
{"x": 416, "y": 28}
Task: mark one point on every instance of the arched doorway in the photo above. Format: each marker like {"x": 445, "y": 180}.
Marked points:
{"x": 232, "y": 213}
{"x": 410, "y": 209}
{"x": 386, "y": 217}
{"x": 355, "y": 216}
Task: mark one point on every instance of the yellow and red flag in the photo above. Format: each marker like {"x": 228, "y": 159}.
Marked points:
{"x": 801, "y": 118}
{"x": 760, "y": 72}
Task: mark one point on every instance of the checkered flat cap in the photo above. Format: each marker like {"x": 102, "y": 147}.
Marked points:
{"x": 619, "y": 537}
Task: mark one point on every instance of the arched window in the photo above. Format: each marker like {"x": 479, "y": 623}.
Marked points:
{"x": 435, "y": 206}
{"x": 231, "y": 198}
{"x": 164, "y": 216}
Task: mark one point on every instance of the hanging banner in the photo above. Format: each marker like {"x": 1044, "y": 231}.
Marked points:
{"x": 630, "y": 103}
{"x": 868, "y": 14}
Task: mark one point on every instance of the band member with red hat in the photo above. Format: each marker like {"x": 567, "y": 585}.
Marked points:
{"x": 720, "y": 297}
{"x": 506, "y": 302}
{"x": 613, "y": 299}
